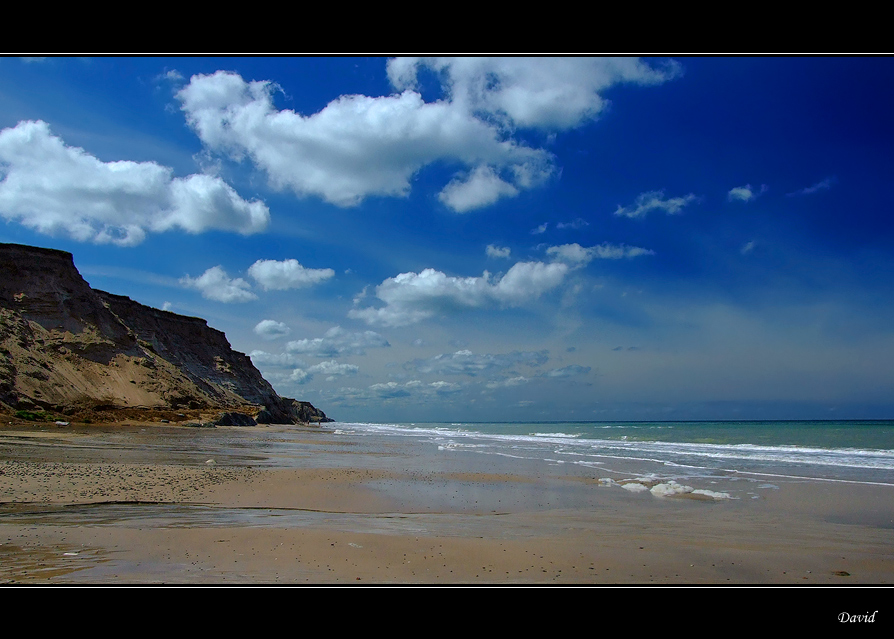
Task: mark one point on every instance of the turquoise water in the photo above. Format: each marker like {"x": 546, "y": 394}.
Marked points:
{"x": 878, "y": 435}
{"x": 861, "y": 451}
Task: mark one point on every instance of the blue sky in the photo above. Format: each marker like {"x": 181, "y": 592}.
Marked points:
{"x": 428, "y": 239}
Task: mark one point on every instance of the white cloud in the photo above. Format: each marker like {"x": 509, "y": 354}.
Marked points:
{"x": 747, "y": 248}
{"x": 543, "y": 92}
{"x": 465, "y": 362}
{"x": 360, "y": 146}
{"x": 654, "y": 201}
{"x": 567, "y": 371}
{"x": 413, "y": 297}
{"x": 356, "y": 147}
{"x": 526, "y": 281}
{"x": 481, "y": 188}
{"x": 394, "y": 390}
{"x": 508, "y": 383}
{"x": 823, "y": 185}
{"x": 274, "y": 275}
{"x": 745, "y": 193}
{"x": 215, "y": 284}
{"x": 444, "y": 388}
{"x": 300, "y": 376}
{"x": 742, "y": 193}
{"x": 497, "y": 251}
{"x": 540, "y": 229}
{"x": 578, "y": 223}
{"x": 334, "y": 369}
{"x": 110, "y": 202}
{"x": 577, "y": 255}
{"x": 331, "y": 369}
{"x": 269, "y": 329}
{"x": 360, "y": 296}
{"x": 282, "y": 359}
{"x": 387, "y": 390}
{"x": 338, "y": 341}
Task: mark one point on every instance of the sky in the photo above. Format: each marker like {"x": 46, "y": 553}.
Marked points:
{"x": 485, "y": 239}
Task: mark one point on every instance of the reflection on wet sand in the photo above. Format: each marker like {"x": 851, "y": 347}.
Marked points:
{"x": 151, "y": 504}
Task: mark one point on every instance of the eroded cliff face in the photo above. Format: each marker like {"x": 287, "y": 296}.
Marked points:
{"x": 66, "y": 347}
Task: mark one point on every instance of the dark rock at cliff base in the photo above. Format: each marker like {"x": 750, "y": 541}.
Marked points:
{"x": 66, "y": 347}
{"x": 234, "y": 419}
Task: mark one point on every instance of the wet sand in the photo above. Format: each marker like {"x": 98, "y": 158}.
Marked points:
{"x": 153, "y": 504}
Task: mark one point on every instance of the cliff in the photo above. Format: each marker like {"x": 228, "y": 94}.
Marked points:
{"x": 68, "y": 348}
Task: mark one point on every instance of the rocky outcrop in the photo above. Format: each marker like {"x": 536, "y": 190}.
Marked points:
{"x": 235, "y": 419}
{"x": 66, "y": 347}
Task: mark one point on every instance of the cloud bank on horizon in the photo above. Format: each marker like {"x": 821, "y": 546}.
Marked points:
{"x": 579, "y": 237}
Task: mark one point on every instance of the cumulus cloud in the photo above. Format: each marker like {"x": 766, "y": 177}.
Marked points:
{"x": 413, "y": 297}
{"x": 338, "y": 341}
{"x": 110, "y": 202}
{"x": 445, "y": 388}
{"x": 275, "y": 275}
{"x": 173, "y": 76}
{"x": 356, "y": 147}
{"x": 465, "y": 362}
{"x": 482, "y": 187}
{"x": 497, "y": 251}
{"x": 261, "y": 358}
{"x": 388, "y": 390}
{"x": 215, "y": 284}
{"x": 331, "y": 369}
{"x": 655, "y": 201}
{"x": 269, "y": 329}
{"x": 745, "y": 193}
{"x": 394, "y": 390}
{"x": 548, "y": 92}
{"x": 540, "y": 229}
{"x": 360, "y": 146}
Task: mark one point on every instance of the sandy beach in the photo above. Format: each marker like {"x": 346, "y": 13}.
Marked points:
{"x": 163, "y": 504}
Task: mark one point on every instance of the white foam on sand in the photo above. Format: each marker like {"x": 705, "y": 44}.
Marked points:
{"x": 669, "y": 488}
{"x": 634, "y": 487}
{"x": 672, "y": 489}
{"x": 712, "y": 494}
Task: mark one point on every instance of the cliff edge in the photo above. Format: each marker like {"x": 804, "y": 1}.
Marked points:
{"x": 68, "y": 348}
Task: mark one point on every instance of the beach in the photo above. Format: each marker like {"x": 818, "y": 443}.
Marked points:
{"x": 149, "y": 503}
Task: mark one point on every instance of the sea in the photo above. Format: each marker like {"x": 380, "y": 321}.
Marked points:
{"x": 684, "y": 452}
{"x": 469, "y": 469}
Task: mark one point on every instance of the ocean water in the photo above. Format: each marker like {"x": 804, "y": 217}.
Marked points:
{"x": 693, "y": 452}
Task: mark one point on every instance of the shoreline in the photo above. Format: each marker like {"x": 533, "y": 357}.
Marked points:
{"x": 141, "y": 504}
